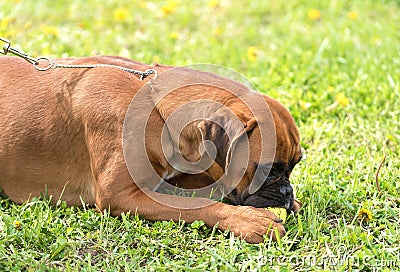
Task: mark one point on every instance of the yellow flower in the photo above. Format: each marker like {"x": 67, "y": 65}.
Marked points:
{"x": 252, "y": 53}
{"x": 143, "y": 4}
{"x": 304, "y": 105}
{"x": 169, "y": 7}
{"x": 28, "y": 25}
{"x": 49, "y": 30}
{"x": 342, "y": 99}
{"x": 69, "y": 230}
{"x": 10, "y": 33}
{"x": 4, "y": 23}
{"x": 17, "y": 224}
{"x": 331, "y": 89}
{"x": 156, "y": 59}
{"x": 365, "y": 214}
{"x": 212, "y": 3}
{"x": 314, "y": 14}
{"x": 352, "y": 15}
{"x": 217, "y": 32}
{"x": 121, "y": 14}
{"x": 174, "y": 35}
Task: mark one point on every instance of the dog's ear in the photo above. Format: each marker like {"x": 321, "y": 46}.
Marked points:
{"x": 224, "y": 128}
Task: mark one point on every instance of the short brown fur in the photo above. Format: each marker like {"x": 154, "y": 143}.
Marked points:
{"x": 61, "y": 130}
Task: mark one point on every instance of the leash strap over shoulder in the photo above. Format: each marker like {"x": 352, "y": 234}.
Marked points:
{"x": 44, "y": 63}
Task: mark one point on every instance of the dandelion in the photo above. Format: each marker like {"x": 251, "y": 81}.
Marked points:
{"x": 4, "y": 23}
{"x": 121, "y": 14}
{"x": 49, "y": 30}
{"x": 314, "y": 14}
{"x": 69, "y": 230}
{"x": 304, "y": 105}
{"x": 10, "y": 33}
{"x": 143, "y": 5}
{"x": 156, "y": 59}
{"x": 27, "y": 25}
{"x": 352, "y": 15}
{"x": 252, "y": 53}
{"x": 174, "y": 35}
{"x": 330, "y": 89}
{"x": 17, "y": 224}
{"x": 365, "y": 214}
{"x": 212, "y": 3}
{"x": 169, "y": 7}
{"x": 341, "y": 99}
{"x": 217, "y": 32}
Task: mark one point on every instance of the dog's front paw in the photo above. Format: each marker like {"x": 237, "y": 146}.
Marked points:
{"x": 251, "y": 224}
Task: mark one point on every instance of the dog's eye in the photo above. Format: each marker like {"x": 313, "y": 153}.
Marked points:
{"x": 276, "y": 171}
{"x": 271, "y": 172}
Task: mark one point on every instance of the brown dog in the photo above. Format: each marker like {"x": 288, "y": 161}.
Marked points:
{"x": 61, "y": 131}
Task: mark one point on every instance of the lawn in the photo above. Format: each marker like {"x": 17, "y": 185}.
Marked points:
{"x": 334, "y": 64}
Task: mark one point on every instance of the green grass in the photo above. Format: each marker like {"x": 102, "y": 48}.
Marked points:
{"x": 352, "y": 51}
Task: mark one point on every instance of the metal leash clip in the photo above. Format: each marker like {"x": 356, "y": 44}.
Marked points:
{"x": 7, "y": 48}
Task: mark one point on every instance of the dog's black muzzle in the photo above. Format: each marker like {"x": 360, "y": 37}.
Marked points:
{"x": 278, "y": 193}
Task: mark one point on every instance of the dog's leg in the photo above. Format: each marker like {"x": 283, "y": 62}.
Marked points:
{"x": 117, "y": 191}
{"x": 246, "y": 222}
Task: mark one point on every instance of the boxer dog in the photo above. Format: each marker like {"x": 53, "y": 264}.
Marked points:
{"x": 68, "y": 132}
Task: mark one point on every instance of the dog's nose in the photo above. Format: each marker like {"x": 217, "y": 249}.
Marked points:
{"x": 286, "y": 189}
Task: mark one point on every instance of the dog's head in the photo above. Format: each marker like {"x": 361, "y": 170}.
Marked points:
{"x": 265, "y": 180}
{"x": 256, "y": 139}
